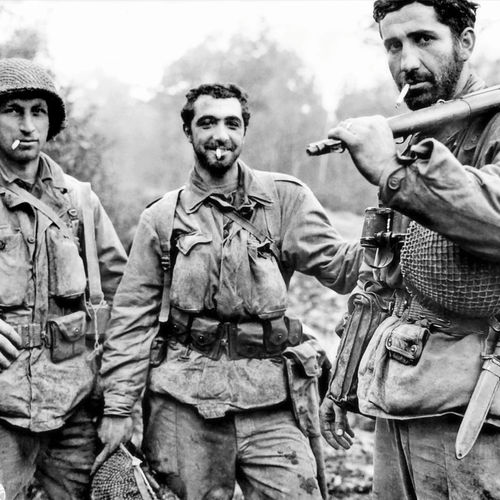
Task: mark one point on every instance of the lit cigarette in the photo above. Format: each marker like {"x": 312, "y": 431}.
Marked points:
{"x": 402, "y": 95}
{"x": 15, "y": 144}
{"x": 218, "y": 153}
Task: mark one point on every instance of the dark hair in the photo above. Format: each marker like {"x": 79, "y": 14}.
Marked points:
{"x": 457, "y": 14}
{"x": 217, "y": 91}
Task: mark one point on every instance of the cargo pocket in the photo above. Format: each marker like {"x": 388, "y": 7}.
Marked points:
{"x": 67, "y": 335}
{"x": 406, "y": 342}
{"x": 15, "y": 267}
{"x": 268, "y": 295}
{"x": 67, "y": 277}
{"x": 190, "y": 276}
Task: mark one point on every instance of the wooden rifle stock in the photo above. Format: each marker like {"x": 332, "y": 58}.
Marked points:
{"x": 467, "y": 106}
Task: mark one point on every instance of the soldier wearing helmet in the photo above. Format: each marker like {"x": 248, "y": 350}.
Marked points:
{"x": 47, "y": 365}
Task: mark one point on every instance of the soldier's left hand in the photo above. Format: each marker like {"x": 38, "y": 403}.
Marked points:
{"x": 335, "y": 425}
{"x": 370, "y": 143}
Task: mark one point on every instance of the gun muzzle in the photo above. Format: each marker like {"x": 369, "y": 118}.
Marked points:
{"x": 324, "y": 147}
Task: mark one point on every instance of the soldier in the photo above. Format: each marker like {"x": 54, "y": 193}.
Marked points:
{"x": 47, "y": 372}
{"x": 217, "y": 402}
{"x": 423, "y": 362}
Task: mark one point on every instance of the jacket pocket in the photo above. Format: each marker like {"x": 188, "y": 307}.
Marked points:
{"x": 67, "y": 277}
{"x": 15, "y": 267}
{"x": 191, "y": 273}
{"x": 67, "y": 336}
{"x": 268, "y": 295}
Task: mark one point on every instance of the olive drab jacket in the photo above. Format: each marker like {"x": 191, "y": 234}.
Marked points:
{"x": 451, "y": 191}
{"x": 42, "y": 281}
{"x": 221, "y": 274}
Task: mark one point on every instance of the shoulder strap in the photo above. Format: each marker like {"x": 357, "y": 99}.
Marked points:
{"x": 41, "y": 207}
{"x": 273, "y": 212}
{"x": 164, "y": 226}
{"x": 94, "y": 275}
{"x": 232, "y": 213}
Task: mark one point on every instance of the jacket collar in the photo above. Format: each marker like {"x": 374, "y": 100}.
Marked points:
{"x": 197, "y": 191}
{"x": 48, "y": 170}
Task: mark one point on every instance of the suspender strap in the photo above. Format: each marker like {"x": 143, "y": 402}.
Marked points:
{"x": 41, "y": 207}
{"x": 93, "y": 273}
{"x": 164, "y": 226}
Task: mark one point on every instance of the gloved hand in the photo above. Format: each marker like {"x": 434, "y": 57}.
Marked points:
{"x": 10, "y": 343}
{"x": 334, "y": 425}
{"x": 112, "y": 431}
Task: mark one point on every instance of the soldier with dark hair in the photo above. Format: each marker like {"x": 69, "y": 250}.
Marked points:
{"x": 48, "y": 368}
{"x": 424, "y": 366}
{"x": 233, "y": 393}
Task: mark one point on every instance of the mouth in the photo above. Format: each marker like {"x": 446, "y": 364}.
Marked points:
{"x": 219, "y": 151}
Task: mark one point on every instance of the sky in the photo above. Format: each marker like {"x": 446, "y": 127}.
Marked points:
{"x": 134, "y": 40}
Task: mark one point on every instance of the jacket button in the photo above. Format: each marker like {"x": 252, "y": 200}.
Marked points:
{"x": 413, "y": 348}
{"x": 31, "y": 239}
{"x": 76, "y": 330}
{"x": 394, "y": 183}
{"x": 389, "y": 342}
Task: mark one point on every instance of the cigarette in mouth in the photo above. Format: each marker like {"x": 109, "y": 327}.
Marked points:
{"x": 218, "y": 153}
{"x": 15, "y": 144}
{"x": 402, "y": 95}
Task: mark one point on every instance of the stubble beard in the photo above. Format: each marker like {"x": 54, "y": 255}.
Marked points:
{"x": 443, "y": 84}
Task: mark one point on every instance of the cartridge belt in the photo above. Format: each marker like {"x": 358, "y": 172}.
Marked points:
{"x": 32, "y": 335}
{"x": 239, "y": 340}
{"x": 411, "y": 310}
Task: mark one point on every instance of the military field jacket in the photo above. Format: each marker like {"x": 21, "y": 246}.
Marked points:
{"x": 452, "y": 188}
{"x": 40, "y": 280}
{"x": 220, "y": 271}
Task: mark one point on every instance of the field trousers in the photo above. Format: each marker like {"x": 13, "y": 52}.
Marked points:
{"x": 415, "y": 460}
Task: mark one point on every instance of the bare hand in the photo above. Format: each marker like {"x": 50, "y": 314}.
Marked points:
{"x": 335, "y": 426}
{"x": 10, "y": 343}
{"x": 370, "y": 143}
{"x": 112, "y": 431}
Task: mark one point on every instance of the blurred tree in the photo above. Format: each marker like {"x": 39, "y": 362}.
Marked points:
{"x": 286, "y": 108}
{"x": 80, "y": 147}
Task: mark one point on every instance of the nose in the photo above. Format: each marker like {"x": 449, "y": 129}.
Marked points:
{"x": 221, "y": 132}
{"x": 409, "y": 58}
{"x": 27, "y": 124}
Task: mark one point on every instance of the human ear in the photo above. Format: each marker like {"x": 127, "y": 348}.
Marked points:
{"x": 187, "y": 132}
{"x": 466, "y": 43}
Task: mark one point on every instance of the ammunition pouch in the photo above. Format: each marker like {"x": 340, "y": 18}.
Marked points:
{"x": 366, "y": 311}
{"x": 67, "y": 335}
{"x": 406, "y": 341}
{"x": 240, "y": 340}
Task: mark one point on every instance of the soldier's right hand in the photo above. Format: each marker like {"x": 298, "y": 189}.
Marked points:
{"x": 113, "y": 430}
{"x": 335, "y": 425}
{"x": 10, "y": 343}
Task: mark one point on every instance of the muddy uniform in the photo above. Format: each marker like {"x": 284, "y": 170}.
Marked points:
{"x": 425, "y": 359}
{"x": 218, "y": 405}
{"x": 46, "y": 417}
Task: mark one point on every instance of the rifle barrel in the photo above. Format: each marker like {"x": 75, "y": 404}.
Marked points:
{"x": 434, "y": 116}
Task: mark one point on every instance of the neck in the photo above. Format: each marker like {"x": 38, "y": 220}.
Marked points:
{"x": 462, "y": 81}
{"x": 226, "y": 177}
{"x": 25, "y": 171}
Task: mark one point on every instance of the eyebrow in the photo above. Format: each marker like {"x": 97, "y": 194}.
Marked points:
{"x": 412, "y": 35}
{"x": 213, "y": 117}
